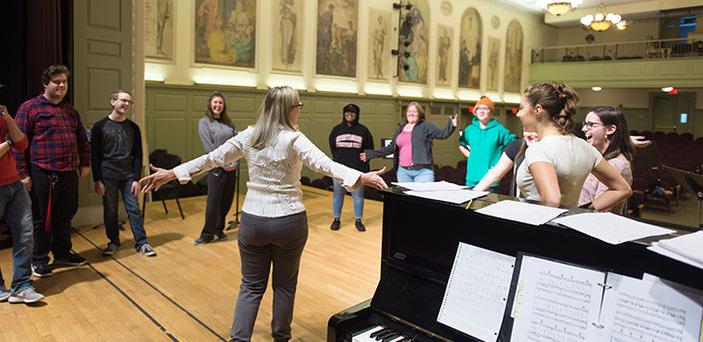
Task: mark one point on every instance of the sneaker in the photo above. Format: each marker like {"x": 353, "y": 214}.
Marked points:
{"x": 4, "y": 294}
{"x": 360, "y": 226}
{"x": 110, "y": 249}
{"x": 72, "y": 259}
{"x": 147, "y": 250}
{"x": 28, "y": 295}
{"x": 335, "y": 224}
{"x": 222, "y": 237}
{"x": 41, "y": 270}
{"x": 203, "y": 239}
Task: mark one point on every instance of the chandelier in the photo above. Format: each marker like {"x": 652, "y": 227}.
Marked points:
{"x": 560, "y": 7}
{"x": 602, "y": 19}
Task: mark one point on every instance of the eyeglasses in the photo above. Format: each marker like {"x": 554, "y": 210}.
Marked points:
{"x": 482, "y": 108}
{"x": 299, "y": 105}
{"x": 592, "y": 124}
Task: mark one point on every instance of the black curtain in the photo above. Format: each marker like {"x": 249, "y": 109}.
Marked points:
{"x": 35, "y": 34}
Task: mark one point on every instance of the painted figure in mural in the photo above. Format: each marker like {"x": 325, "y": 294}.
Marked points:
{"x": 464, "y": 64}
{"x": 242, "y": 33}
{"x": 208, "y": 15}
{"x": 493, "y": 52}
{"x": 445, "y": 44}
{"x": 379, "y": 40}
{"x": 513, "y": 57}
{"x": 413, "y": 32}
{"x": 219, "y": 52}
{"x": 288, "y": 27}
{"x": 164, "y": 13}
{"x": 324, "y": 38}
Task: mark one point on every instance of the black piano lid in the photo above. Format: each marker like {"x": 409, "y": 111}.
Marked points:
{"x": 421, "y": 236}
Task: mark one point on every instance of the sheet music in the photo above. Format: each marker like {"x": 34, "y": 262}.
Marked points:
{"x": 430, "y": 186}
{"x": 656, "y": 247}
{"x": 611, "y": 228}
{"x": 649, "y": 310}
{"x": 689, "y": 245}
{"x": 556, "y": 302}
{"x": 529, "y": 213}
{"x": 477, "y": 291}
{"x": 451, "y": 196}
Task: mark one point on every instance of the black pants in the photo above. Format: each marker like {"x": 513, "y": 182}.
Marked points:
{"x": 57, "y": 238}
{"x": 220, "y": 192}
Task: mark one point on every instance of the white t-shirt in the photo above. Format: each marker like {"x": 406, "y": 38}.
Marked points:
{"x": 572, "y": 158}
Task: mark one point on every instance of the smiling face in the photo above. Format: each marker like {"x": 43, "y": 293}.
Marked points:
{"x": 597, "y": 133}
{"x": 349, "y": 117}
{"x": 412, "y": 115}
{"x": 526, "y": 114}
{"x": 122, "y": 104}
{"x": 482, "y": 113}
{"x": 217, "y": 105}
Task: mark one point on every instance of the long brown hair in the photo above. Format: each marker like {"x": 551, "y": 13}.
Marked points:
{"x": 557, "y": 99}
{"x": 620, "y": 139}
{"x": 224, "y": 118}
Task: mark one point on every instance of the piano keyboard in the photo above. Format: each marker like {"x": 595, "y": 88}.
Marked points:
{"x": 380, "y": 333}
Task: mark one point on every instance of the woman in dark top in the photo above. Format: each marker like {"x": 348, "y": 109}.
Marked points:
{"x": 412, "y": 145}
{"x": 215, "y": 128}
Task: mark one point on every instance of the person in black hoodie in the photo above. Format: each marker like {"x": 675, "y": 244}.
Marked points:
{"x": 347, "y": 141}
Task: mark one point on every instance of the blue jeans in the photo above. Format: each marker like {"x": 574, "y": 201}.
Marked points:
{"x": 338, "y": 200}
{"x": 110, "y": 201}
{"x": 14, "y": 200}
{"x": 407, "y": 175}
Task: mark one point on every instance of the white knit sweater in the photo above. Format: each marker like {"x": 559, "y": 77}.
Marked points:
{"x": 273, "y": 189}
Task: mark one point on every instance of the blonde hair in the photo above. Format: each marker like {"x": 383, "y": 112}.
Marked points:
{"x": 274, "y": 115}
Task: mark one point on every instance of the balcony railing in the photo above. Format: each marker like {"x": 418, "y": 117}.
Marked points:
{"x": 649, "y": 49}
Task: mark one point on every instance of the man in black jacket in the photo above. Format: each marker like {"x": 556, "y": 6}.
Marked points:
{"x": 116, "y": 157}
{"x": 347, "y": 141}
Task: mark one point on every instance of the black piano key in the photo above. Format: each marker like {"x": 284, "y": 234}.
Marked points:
{"x": 391, "y": 337}
{"x": 385, "y": 334}
{"x": 376, "y": 333}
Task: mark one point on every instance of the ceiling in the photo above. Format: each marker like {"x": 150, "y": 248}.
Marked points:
{"x": 629, "y": 9}
{"x": 536, "y": 5}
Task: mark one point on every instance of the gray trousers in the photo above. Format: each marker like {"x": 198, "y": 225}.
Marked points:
{"x": 264, "y": 241}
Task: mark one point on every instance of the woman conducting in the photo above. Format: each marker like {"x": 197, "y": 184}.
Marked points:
{"x": 273, "y": 228}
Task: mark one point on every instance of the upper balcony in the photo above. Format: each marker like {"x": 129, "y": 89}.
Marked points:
{"x": 652, "y": 63}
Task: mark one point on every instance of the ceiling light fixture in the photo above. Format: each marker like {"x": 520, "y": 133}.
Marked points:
{"x": 602, "y": 19}
{"x": 560, "y": 7}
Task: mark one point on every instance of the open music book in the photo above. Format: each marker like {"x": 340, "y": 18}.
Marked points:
{"x": 477, "y": 292}
{"x": 557, "y": 301}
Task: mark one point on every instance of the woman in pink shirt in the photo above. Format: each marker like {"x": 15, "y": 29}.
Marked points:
{"x": 412, "y": 145}
{"x": 606, "y": 130}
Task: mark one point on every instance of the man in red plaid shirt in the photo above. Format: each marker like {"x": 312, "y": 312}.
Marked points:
{"x": 58, "y": 146}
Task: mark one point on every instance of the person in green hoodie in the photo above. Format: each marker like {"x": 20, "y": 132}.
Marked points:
{"x": 482, "y": 142}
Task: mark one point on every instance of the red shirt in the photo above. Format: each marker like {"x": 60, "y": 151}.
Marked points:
{"x": 57, "y": 138}
{"x": 8, "y": 168}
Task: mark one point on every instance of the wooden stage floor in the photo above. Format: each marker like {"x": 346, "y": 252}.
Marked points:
{"x": 187, "y": 292}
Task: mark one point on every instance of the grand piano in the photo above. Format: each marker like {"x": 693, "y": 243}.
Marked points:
{"x": 420, "y": 240}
